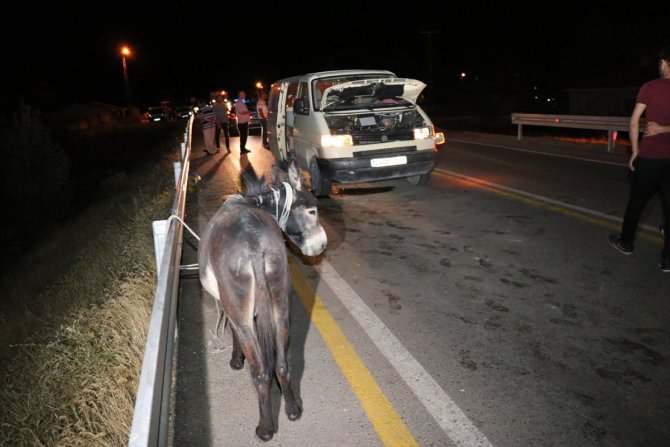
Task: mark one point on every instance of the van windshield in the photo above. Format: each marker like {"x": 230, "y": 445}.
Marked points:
{"x": 373, "y": 95}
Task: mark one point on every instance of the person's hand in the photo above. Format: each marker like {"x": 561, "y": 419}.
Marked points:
{"x": 631, "y": 162}
{"x": 653, "y": 128}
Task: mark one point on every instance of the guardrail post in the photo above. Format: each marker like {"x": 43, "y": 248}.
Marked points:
{"x": 519, "y": 131}
{"x": 160, "y": 228}
{"x": 610, "y": 140}
{"x": 177, "y": 172}
{"x": 183, "y": 150}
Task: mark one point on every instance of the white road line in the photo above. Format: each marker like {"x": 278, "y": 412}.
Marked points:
{"x": 451, "y": 419}
{"x": 580, "y": 209}
{"x": 549, "y": 154}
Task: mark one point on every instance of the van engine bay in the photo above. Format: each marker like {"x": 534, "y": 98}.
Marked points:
{"x": 376, "y": 127}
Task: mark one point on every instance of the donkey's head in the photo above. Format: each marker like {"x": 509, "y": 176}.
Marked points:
{"x": 302, "y": 222}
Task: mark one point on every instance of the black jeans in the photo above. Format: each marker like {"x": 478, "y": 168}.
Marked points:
{"x": 226, "y": 134}
{"x": 649, "y": 176}
{"x": 244, "y": 133}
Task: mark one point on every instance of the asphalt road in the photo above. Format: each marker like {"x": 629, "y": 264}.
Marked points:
{"x": 483, "y": 309}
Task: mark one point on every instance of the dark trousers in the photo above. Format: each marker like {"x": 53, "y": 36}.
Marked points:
{"x": 244, "y": 133}
{"x": 264, "y": 127}
{"x": 226, "y": 134}
{"x": 649, "y": 177}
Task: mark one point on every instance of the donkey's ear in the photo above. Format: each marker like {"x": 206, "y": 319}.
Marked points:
{"x": 294, "y": 176}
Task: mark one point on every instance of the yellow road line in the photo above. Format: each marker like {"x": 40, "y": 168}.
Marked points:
{"x": 594, "y": 220}
{"x": 387, "y": 423}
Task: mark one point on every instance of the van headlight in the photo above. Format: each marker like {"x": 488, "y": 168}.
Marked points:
{"x": 421, "y": 133}
{"x": 336, "y": 140}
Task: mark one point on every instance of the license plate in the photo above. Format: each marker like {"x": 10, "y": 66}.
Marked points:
{"x": 388, "y": 161}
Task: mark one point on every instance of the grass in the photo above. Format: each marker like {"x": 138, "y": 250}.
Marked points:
{"x": 74, "y": 318}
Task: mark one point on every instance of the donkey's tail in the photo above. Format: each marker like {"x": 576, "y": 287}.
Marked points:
{"x": 265, "y": 322}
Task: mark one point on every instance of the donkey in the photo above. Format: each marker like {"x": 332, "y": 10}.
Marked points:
{"x": 243, "y": 264}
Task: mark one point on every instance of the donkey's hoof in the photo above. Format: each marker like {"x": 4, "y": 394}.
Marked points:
{"x": 264, "y": 434}
{"x": 293, "y": 412}
{"x": 236, "y": 363}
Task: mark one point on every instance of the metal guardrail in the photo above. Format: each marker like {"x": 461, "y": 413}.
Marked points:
{"x": 152, "y": 404}
{"x": 612, "y": 124}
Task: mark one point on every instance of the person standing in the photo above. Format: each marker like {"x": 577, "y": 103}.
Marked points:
{"x": 208, "y": 122}
{"x": 243, "y": 118}
{"x": 221, "y": 113}
{"x": 262, "y": 108}
{"x": 650, "y": 160}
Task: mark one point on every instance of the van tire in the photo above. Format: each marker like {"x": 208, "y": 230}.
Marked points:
{"x": 284, "y": 164}
{"x": 420, "y": 179}
{"x": 320, "y": 186}
{"x": 285, "y": 160}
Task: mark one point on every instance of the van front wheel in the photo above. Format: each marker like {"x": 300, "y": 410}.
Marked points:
{"x": 285, "y": 162}
{"x": 420, "y": 179}
{"x": 320, "y": 186}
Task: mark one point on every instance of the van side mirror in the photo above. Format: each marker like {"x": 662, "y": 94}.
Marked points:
{"x": 300, "y": 108}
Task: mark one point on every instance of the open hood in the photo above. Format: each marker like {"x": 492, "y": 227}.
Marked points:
{"x": 378, "y": 89}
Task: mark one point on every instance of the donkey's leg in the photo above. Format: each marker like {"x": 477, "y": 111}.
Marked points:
{"x": 266, "y": 427}
{"x": 292, "y": 406}
{"x": 237, "y": 359}
{"x": 260, "y": 376}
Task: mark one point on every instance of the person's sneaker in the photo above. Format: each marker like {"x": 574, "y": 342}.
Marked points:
{"x": 665, "y": 265}
{"x": 244, "y": 150}
{"x": 615, "y": 241}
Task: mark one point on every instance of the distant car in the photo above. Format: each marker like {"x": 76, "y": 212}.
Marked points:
{"x": 156, "y": 114}
{"x": 183, "y": 112}
{"x": 255, "y": 122}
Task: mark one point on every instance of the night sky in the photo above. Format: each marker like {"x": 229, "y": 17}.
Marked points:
{"x": 70, "y": 51}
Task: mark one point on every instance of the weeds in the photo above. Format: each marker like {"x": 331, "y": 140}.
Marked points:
{"x": 72, "y": 348}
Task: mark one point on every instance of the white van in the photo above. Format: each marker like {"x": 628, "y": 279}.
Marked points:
{"x": 349, "y": 126}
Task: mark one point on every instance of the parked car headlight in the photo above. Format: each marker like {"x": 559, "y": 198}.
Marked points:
{"x": 336, "y": 140}
{"x": 422, "y": 133}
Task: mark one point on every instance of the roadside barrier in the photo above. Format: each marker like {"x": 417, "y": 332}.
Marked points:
{"x": 612, "y": 124}
{"x": 152, "y": 404}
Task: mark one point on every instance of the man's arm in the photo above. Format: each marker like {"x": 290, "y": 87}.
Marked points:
{"x": 634, "y": 132}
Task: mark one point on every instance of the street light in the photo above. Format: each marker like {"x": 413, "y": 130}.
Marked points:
{"x": 125, "y": 51}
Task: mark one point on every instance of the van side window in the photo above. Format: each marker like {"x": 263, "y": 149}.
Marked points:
{"x": 291, "y": 94}
{"x": 274, "y": 98}
{"x": 303, "y": 95}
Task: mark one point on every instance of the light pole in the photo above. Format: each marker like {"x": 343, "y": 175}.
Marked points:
{"x": 125, "y": 51}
